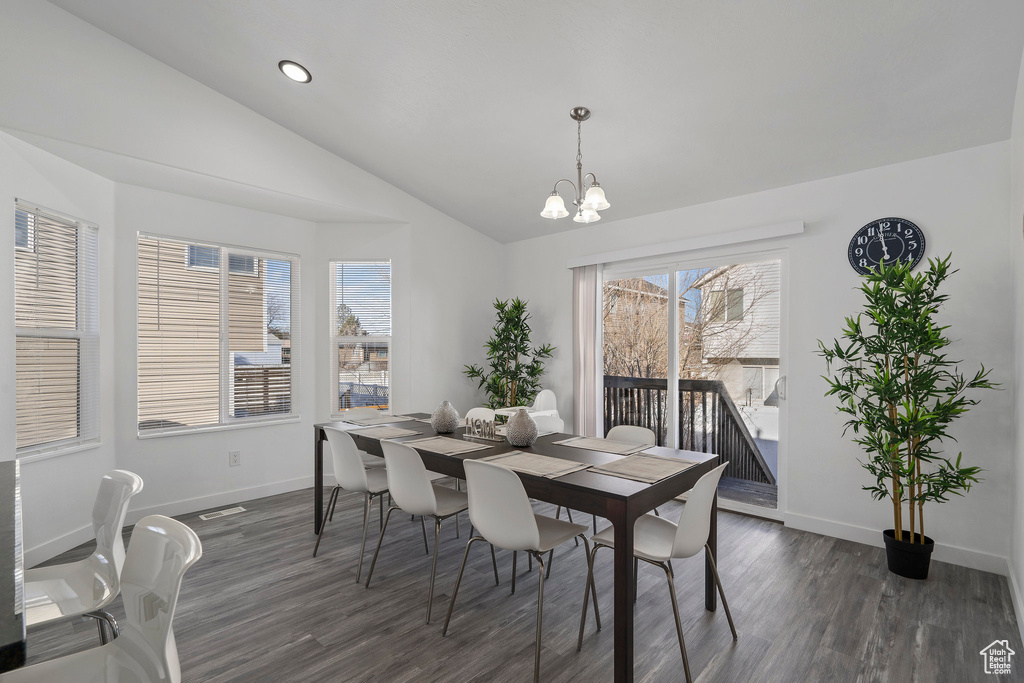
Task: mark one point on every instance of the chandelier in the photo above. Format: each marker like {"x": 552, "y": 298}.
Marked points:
{"x": 588, "y": 200}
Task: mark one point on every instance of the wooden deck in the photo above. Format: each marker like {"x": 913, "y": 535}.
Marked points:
{"x": 752, "y": 492}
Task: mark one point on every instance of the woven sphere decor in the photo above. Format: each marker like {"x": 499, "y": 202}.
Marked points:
{"x": 445, "y": 418}
{"x": 521, "y": 430}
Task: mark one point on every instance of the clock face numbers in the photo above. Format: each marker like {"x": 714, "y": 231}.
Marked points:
{"x": 888, "y": 240}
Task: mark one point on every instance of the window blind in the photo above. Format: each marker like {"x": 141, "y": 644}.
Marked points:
{"x": 217, "y": 334}
{"x": 361, "y": 333}
{"x": 57, "y": 329}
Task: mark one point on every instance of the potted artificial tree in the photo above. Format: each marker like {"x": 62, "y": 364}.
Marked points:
{"x": 893, "y": 380}
{"x": 515, "y": 367}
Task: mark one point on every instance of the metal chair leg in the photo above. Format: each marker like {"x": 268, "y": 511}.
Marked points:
{"x": 595, "y": 523}
{"x": 105, "y": 623}
{"x": 330, "y": 506}
{"x": 362, "y": 545}
{"x": 721, "y": 591}
{"x": 423, "y": 526}
{"x": 586, "y": 594}
{"x": 679, "y": 626}
{"x": 540, "y": 617}
{"x": 380, "y": 539}
{"x": 455, "y": 591}
{"x": 380, "y": 512}
{"x": 456, "y": 525}
{"x": 529, "y": 562}
{"x": 433, "y": 567}
{"x": 494, "y": 563}
{"x": 515, "y": 553}
{"x": 551, "y": 558}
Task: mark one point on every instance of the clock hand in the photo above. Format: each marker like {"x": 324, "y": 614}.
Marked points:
{"x": 885, "y": 250}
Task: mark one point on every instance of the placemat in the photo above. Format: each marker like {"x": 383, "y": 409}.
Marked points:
{"x": 604, "y": 445}
{"x": 536, "y": 464}
{"x": 446, "y": 446}
{"x": 384, "y": 432}
{"x": 644, "y": 467}
{"x": 378, "y": 420}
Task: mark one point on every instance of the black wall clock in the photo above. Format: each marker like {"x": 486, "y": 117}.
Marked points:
{"x": 888, "y": 239}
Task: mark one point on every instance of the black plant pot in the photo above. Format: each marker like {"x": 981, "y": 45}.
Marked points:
{"x": 910, "y": 560}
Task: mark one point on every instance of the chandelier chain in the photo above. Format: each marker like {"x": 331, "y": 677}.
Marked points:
{"x": 579, "y": 142}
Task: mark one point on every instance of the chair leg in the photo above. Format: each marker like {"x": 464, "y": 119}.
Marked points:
{"x": 529, "y": 562}
{"x": 433, "y": 567}
{"x": 515, "y": 553}
{"x": 568, "y": 513}
{"x": 586, "y": 593}
{"x": 105, "y": 623}
{"x": 366, "y": 523}
{"x": 595, "y": 523}
{"x": 721, "y": 591}
{"x": 423, "y": 526}
{"x": 679, "y": 626}
{"x": 456, "y": 525}
{"x": 380, "y": 512}
{"x": 494, "y": 563}
{"x": 540, "y": 616}
{"x": 380, "y": 539}
{"x": 455, "y": 591}
{"x": 551, "y": 561}
{"x": 330, "y": 506}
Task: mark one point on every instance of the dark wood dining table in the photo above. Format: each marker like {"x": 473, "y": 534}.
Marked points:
{"x": 620, "y": 501}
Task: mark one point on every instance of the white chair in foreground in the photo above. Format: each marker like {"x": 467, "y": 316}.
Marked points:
{"x": 84, "y": 588}
{"x": 501, "y": 513}
{"x": 413, "y": 491}
{"x": 657, "y": 540}
{"x": 160, "y": 552}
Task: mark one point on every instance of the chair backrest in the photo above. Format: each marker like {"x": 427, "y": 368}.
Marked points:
{"x": 408, "y": 483}
{"x": 160, "y": 551}
{"x": 545, "y": 400}
{"x": 641, "y": 435}
{"x": 348, "y": 466}
{"x": 361, "y": 412}
{"x": 480, "y": 413}
{"x": 695, "y": 520}
{"x": 499, "y": 507}
{"x": 549, "y": 423}
{"x": 116, "y": 488}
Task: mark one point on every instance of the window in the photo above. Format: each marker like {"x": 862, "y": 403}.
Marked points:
{"x": 215, "y": 346}
{"x": 725, "y": 306}
{"x": 361, "y": 334}
{"x": 57, "y": 331}
{"x": 753, "y": 384}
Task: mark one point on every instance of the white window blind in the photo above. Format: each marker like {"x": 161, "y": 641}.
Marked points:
{"x": 57, "y": 330}
{"x": 216, "y": 345}
{"x": 361, "y": 334}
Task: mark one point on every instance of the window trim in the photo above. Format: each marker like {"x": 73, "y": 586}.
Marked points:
{"x": 87, "y": 332}
{"x": 225, "y": 420}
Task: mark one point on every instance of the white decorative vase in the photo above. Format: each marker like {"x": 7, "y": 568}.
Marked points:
{"x": 521, "y": 430}
{"x": 445, "y": 418}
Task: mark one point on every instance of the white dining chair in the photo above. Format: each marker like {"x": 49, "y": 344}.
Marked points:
{"x": 549, "y": 424}
{"x": 545, "y": 403}
{"x": 500, "y": 510}
{"x": 657, "y": 540}
{"x": 632, "y": 434}
{"x": 86, "y": 587}
{"x": 160, "y": 552}
{"x": 351, "y": 475}
{"x": 369, "y": 460}
{"x": 480, "y": 413}
{"x": 413, "y": 491}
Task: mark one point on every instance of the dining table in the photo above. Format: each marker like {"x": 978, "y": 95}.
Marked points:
{"x": 621, "y": 501}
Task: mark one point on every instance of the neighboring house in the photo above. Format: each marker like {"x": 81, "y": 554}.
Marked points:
{"x": 363, "y": 374}
{"x": 635, "y": 328}
{"x": 740, "y": 328}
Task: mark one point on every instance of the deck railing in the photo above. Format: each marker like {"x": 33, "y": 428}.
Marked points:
{"x": 708, "y": 420}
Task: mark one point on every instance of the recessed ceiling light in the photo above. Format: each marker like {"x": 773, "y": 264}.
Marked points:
{"x": 294, "y": 71}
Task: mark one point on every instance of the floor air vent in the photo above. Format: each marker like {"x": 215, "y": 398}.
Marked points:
{"x": 221, "y": 513}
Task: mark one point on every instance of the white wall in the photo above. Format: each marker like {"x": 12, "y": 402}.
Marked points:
{"x": 960, "y": 200}
{"x": 1017, "y": 254}
{"x": 51, "y": 486}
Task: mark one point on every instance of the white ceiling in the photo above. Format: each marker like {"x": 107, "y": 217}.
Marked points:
{"x": 464, "y": 104}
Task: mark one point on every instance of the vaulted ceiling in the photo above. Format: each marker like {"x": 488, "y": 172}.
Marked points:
{"x": 465, "y": 104}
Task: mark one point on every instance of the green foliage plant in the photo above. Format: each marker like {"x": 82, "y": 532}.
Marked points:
{"x": 512, "y": 376}
{"x": 901, "y": 393}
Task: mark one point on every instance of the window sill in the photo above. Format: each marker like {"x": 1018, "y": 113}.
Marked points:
{"x": 161, "y": 433}
{"x": 36, "y": 456}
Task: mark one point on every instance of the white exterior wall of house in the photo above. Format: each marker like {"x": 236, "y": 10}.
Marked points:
{"x": 758, "y": 335}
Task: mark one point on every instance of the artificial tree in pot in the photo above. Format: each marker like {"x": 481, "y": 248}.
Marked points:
{"x": 901, "y": 393}
{"x": 515, "y": 367}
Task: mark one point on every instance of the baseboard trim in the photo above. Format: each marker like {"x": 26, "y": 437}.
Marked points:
{"x": 965, "y": 557}
{"x": 1015, "y": 596}
{"x": 72, "y": 539}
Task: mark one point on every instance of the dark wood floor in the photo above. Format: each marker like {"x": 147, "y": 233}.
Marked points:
{"x": 259, "y": 607}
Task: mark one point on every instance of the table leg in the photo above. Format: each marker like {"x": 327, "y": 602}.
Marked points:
{"x": 710, "y": 594}
{"x": 318, "y": 479}
{"x": 623, "y": 600}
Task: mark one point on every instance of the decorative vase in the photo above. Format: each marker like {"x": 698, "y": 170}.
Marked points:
{"x": 521, "y": 430}
{"x": 445, "y": 418}
{"x": 906, "y": 559}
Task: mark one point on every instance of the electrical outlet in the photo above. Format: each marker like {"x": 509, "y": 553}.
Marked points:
{"x": 234, "y": 458}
